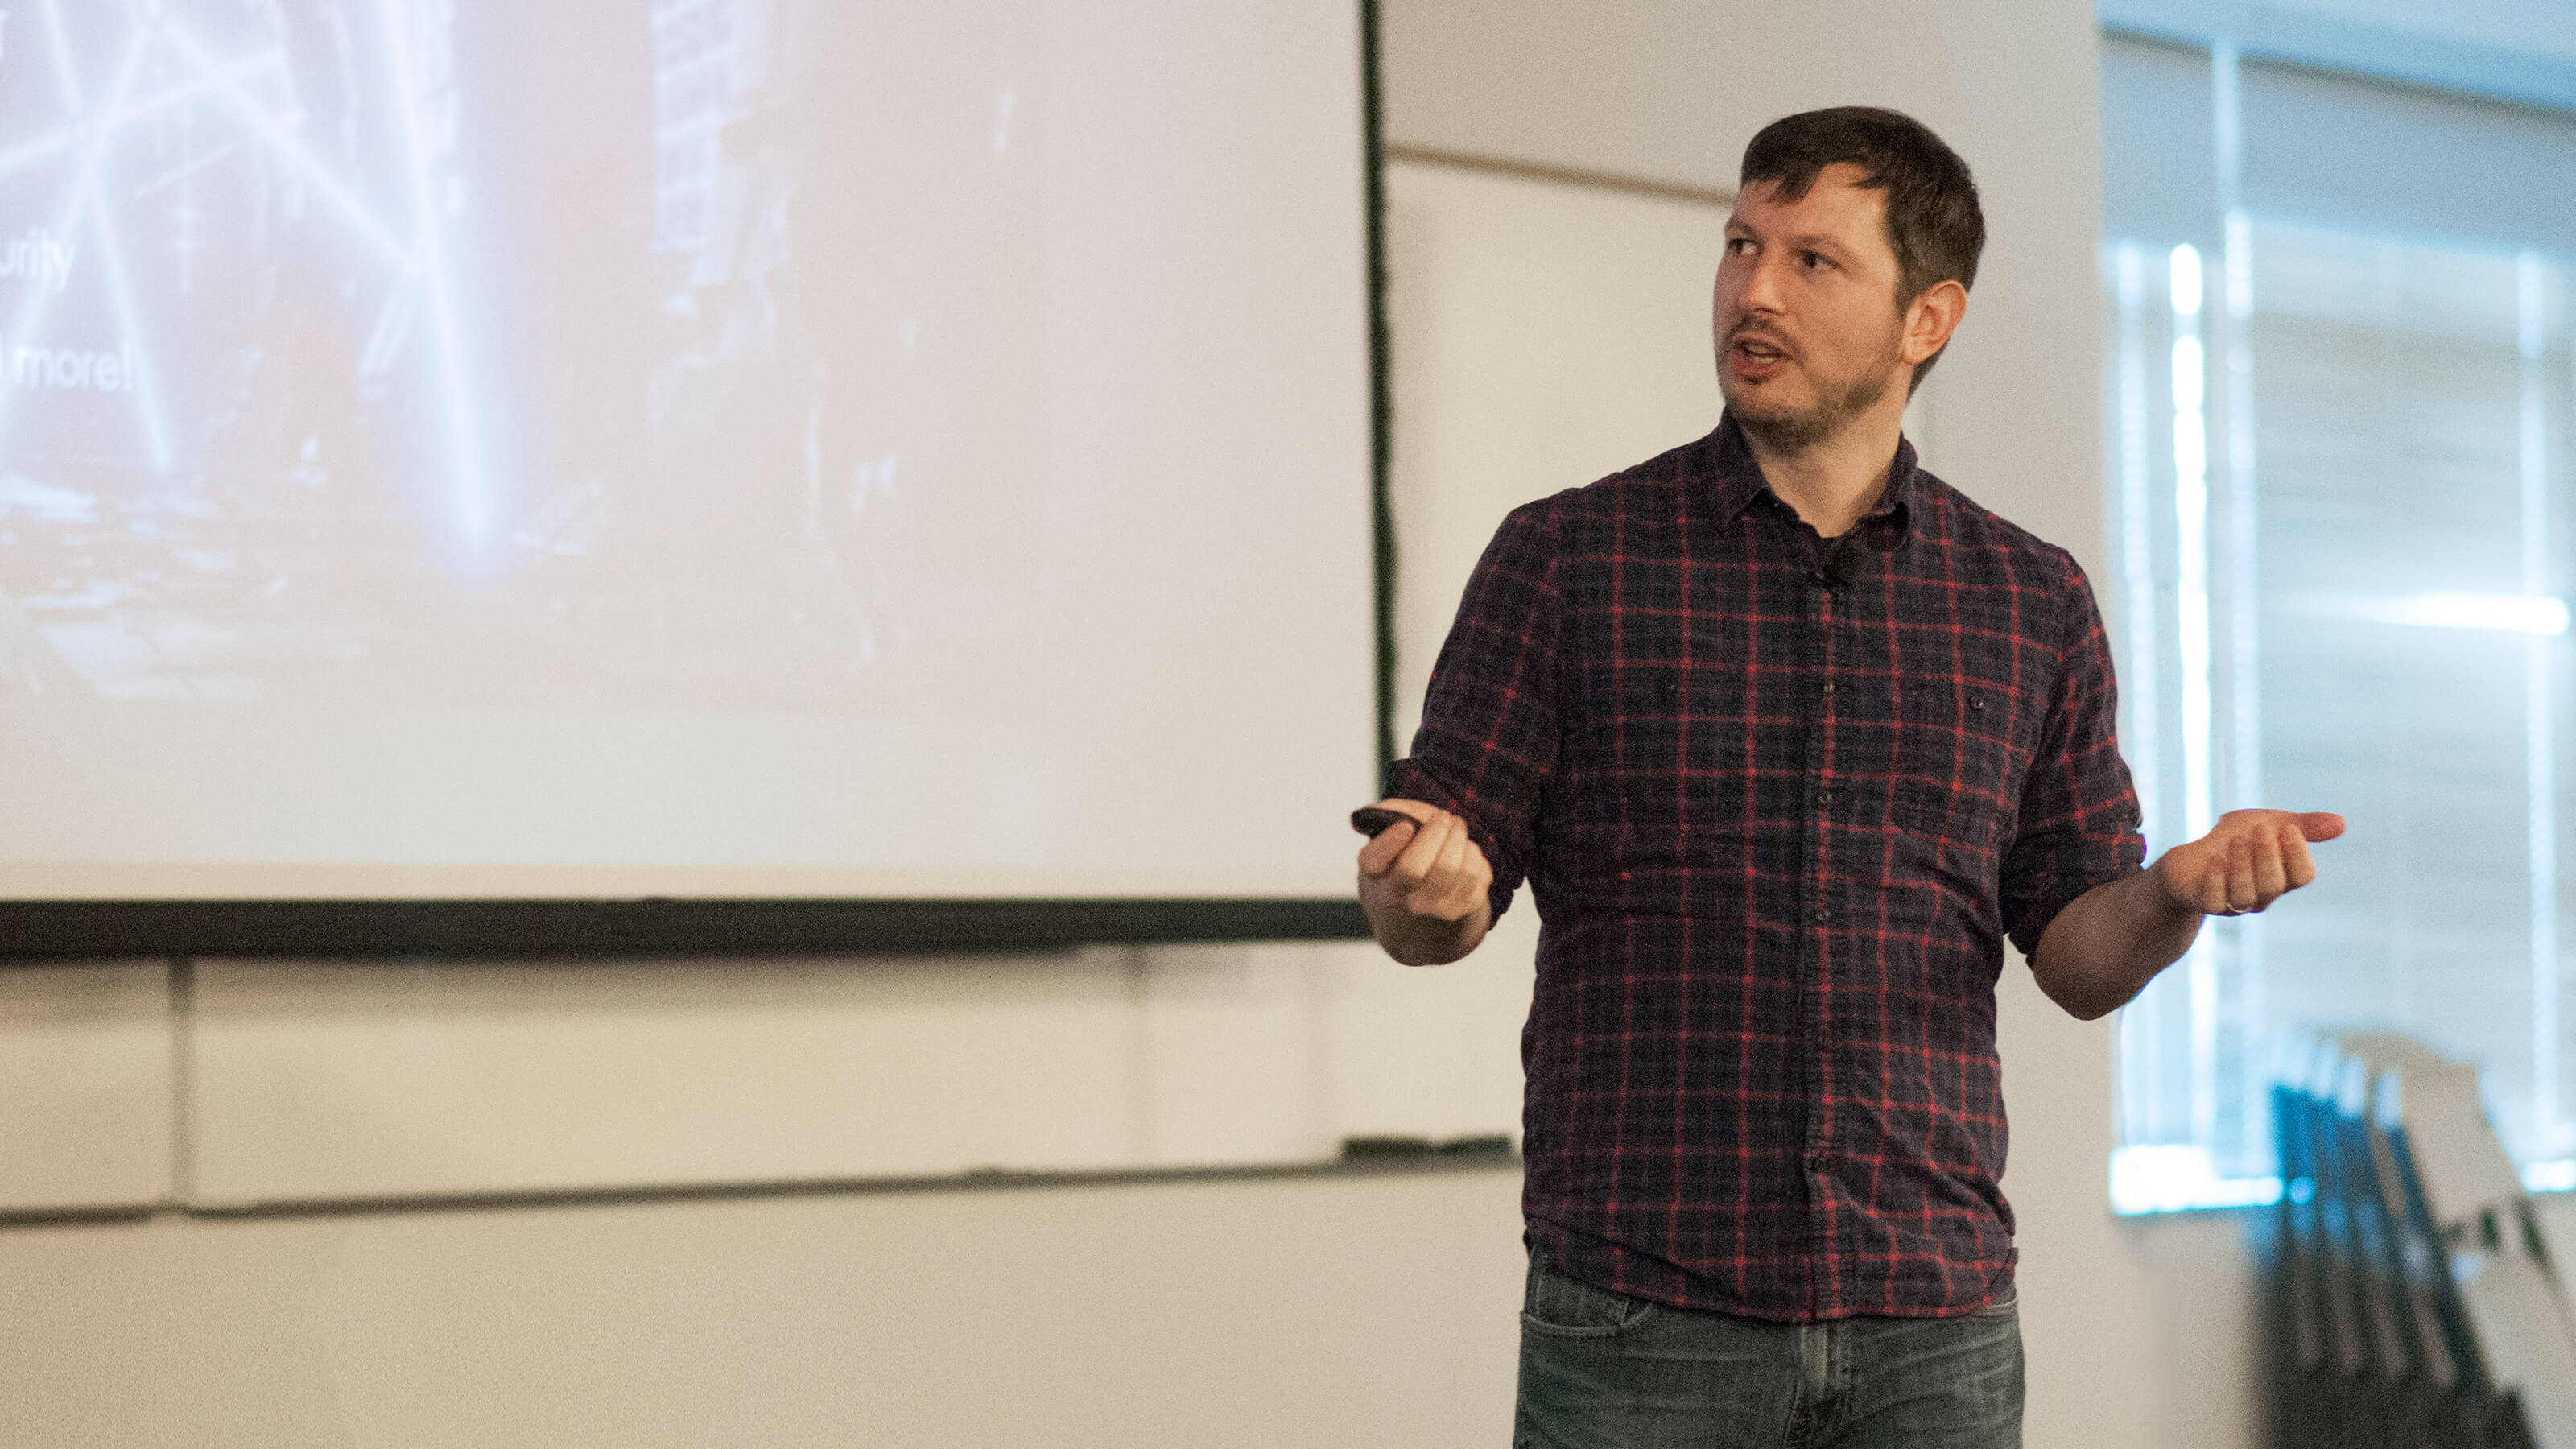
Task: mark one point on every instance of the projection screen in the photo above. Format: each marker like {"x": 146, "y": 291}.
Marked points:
{"x": 700, "y": 448}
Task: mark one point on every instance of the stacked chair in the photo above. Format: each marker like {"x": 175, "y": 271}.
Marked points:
{"x": 2416, "y": 1298}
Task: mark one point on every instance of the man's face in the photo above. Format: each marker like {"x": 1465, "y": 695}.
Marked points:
{"x": 1809, "y": 334}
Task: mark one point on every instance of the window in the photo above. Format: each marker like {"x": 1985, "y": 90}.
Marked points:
{"x": 2338, "y": 416}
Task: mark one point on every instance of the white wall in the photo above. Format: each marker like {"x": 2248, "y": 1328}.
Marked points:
{"x": 1370, "y": 1311}
{"x": 1530, "y": 356}
{"x": 300, "y": 1082}
{"x": 85, "y": 1085}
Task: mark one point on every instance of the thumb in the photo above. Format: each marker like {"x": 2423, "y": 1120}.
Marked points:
{"x": 2320, "y": 825}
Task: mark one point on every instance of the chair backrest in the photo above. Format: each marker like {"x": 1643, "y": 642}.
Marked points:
{"x": 2420, "y": 1297}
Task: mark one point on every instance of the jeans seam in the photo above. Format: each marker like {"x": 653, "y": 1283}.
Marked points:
{"x": 1545, "y": 1329}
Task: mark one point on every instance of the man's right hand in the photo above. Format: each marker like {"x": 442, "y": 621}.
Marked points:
{"x": 1424, "y": 886}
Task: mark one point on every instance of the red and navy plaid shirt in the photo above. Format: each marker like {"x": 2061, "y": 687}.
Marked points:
{"x": 1779, "y": 814}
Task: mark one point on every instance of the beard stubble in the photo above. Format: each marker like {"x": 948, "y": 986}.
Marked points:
{"x": 1790, "y": 429}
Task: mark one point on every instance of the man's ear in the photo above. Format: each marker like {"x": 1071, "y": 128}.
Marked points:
{"x": 1930, "y": 320}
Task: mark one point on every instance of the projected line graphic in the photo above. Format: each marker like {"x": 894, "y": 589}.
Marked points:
{"x": 190, "y": 195}
{"x": 102, "y": 127}
{"x": 376, "y": 350}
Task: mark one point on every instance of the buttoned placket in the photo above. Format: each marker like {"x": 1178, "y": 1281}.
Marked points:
{"x": 1817, "y": 936}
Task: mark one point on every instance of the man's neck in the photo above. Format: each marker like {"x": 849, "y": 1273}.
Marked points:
{"x": 1834, "y": 482}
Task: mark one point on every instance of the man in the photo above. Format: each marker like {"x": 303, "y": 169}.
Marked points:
{"x": 1788, "y": 736}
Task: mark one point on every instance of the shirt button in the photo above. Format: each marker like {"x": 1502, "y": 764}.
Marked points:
{"x": 1829, "y": 686}
{"x": 1824, "y": 914}
{"x": 1824, "y": 797}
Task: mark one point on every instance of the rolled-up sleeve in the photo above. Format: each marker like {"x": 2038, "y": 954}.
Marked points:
{"x": 2078, "y": 824}
{"x": 1487, "y": 746}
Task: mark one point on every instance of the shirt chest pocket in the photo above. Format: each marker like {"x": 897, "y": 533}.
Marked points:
{"x": 1663, "y": 748}
{"x": 1962, "y": 747}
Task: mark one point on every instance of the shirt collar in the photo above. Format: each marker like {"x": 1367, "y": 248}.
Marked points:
{"x": 1739, "y": 483}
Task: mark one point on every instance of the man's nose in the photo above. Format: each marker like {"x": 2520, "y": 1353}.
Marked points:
{"x": 1762, "y": 290}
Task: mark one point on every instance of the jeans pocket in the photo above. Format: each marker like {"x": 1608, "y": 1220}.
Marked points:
{"x": 1557, "y": 1306}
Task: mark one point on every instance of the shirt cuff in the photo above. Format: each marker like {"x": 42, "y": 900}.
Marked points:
{"x": 2052, "y": 874}
{"x": 1409, "y": 779}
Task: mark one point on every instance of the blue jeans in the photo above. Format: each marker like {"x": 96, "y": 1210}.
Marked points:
{"x": 1600, "y": 1370}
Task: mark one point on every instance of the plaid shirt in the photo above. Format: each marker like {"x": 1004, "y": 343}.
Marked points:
{"x": 1778, "y": 823}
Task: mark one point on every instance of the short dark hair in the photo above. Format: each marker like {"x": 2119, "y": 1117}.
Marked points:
{"x": 1933, "y": 220}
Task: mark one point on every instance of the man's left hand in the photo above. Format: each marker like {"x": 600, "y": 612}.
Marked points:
{"x": 2250, "y": 859}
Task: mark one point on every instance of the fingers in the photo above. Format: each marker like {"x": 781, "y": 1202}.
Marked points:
{"x": 1438, "y": 894}
{"x": 1431, "y": 868}
{"x": 1382, "y": 849}
{"x": 2296, "y": 864}
{"x": 2319, "y": 825}
{"x": 1380, "y": 852}
{"x": 1398, "y": 855}
{"x": 2252, "y": 858}
{"x": 1415, "y": 865}
{"x": 2240, "y": 893}
{"x": 2207, "y": 888}
{"x": 2271, "y": 874}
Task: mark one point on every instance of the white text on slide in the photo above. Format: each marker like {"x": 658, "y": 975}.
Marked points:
{"x": 71, "y": 370}
{"x": 39, "y": 257}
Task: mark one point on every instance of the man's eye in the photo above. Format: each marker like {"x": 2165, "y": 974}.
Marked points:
{"x": 1815, "y": 261}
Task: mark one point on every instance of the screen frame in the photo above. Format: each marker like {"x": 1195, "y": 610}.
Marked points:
{"x": 672, "y": 927}
{"x": 654, "y": 928}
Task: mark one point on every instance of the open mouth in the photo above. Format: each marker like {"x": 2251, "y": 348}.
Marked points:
{"x": 1757, "y": 358}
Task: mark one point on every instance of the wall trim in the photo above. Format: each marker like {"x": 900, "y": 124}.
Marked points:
{"x": 1432, "y": 1163}
{"x": 1561, "y": 175}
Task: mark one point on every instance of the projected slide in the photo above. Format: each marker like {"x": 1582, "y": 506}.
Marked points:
{"x": 681, "y": 447}
{"x": 825, "y": 445}
{"x": 379, "y": 348}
